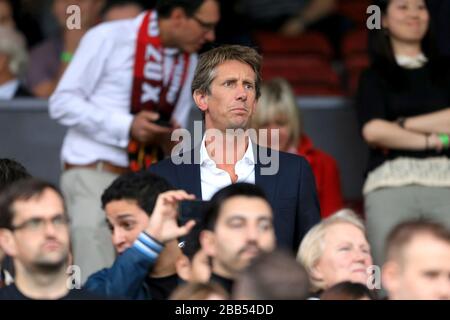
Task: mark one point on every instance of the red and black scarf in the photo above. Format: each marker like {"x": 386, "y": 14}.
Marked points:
{"x": 149, "y": 91}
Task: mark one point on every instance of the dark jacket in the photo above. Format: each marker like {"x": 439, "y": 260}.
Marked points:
{"x": 291, "y": 191}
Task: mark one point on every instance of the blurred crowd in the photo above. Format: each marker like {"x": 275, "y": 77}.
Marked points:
{"x": 131, "y": 223}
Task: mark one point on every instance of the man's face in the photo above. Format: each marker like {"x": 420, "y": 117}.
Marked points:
{"x": 233, "y": 97}
{"x": 422, "y": 272}
{"x": 243, "y": 230}
{"x": 126, "y": 220}
{"x": 41, "y": 236}
{"x": 191, "y": 33}
{"x": 6, "y": 15}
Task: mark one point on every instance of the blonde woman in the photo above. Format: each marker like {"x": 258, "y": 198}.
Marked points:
{"x": 336, "y": 250}
{"x": 277, "y": 109}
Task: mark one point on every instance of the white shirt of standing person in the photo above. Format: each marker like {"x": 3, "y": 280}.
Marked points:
{"x": 8, "y": 90}
{"x": 94, "y": 94}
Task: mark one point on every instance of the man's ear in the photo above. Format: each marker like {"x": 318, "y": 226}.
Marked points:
{"x": 177, "y": 16}
{"x": 7, "y": 242}
{"x": 390, "y": 273}
{"x": 201, "y": 100}
{"x": 183, "y": 267}
{"x": 208, "y": 242}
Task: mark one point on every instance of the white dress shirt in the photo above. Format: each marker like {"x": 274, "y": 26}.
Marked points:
{"x": 93, "y": 97}
{"x": 212, "y": 178}
{"x": 8, "y": 89}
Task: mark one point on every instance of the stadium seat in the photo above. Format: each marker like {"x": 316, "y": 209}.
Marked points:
{"x": 309, "y": 43}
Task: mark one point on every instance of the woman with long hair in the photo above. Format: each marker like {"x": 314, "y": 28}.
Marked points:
{"x": 403, "y": 105}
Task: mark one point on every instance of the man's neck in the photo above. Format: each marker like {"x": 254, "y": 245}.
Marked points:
{"x": 226, "y": 149}
{"x": 41, "y": 286}
{"x": 164, "y": 33}
{"x": 222, "y": 272}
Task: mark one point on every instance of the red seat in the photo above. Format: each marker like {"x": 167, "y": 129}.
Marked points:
{"x": 355, "y": 42}
{"x": 309, "y": 43}
{"x": 355, "y": 10}
{"x": 306, "y": 75}
{"x": 356, "y": 58}
{"x": 276, "y": 61}
{"x": 354, "y": 66}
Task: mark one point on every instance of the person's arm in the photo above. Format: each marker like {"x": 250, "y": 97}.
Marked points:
{"x": 46, "y": 87}
{"x": 372, "y": 109}
{"x": 385, "y": 134}
{"x": 126, "y": 277}
{"x": 314, "y": 11}
{"x": 71, "y": 106}
{"x": 434, "y": 122}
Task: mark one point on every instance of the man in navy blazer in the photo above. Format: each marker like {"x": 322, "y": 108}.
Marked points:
{"x": 226, "y": 88}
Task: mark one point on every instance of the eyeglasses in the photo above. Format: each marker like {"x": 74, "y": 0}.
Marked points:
{"x": 207, "y": 26}
{"x": 59, "y": 222}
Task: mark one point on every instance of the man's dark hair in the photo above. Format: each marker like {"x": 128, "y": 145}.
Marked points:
{"x": 214, "y": 206}
{"x": 348, "y": 291}
{"x": 273, "y": 276}
{"x": 165, "y": 7}
{"x": 10, "y": 172}
{"x": 143, "y": 187}
{"x": 21, "y": 190}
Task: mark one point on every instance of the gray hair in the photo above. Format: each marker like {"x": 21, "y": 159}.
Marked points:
{"x": 210, "y": 60}
{"x": 312, "y": 246}
{"x": 13, "y": 45}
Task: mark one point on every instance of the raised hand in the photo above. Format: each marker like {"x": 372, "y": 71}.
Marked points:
{"x": 163, "y": 224}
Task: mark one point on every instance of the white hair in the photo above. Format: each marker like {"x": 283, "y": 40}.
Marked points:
{"x": 13, "y": 45}
{"x": 312, "y": 246}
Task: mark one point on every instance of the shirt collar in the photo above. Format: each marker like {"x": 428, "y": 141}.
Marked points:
{"x": 8, "y": 89}
{"x": 205, "y": 159}
{"x": 411, "y": 62}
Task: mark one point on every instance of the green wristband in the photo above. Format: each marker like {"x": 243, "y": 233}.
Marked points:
{"x": 66, "y": 57}
{"x": 445, "y": 140}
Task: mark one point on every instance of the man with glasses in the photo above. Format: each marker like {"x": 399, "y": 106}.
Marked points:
{"x": 126, "y": 89}
{"x": 34, "y": 231}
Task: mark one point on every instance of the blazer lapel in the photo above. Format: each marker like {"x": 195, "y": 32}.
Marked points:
{"x": 266, "y": 182}
{"x": 189, "y": 176}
